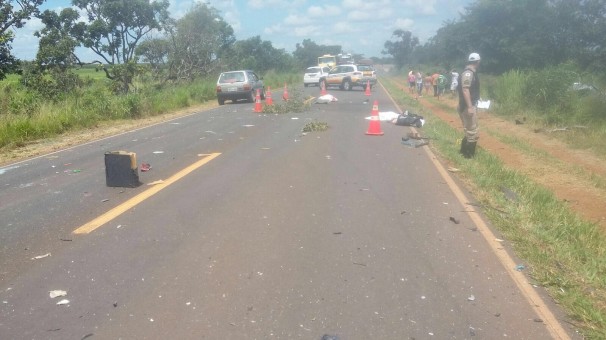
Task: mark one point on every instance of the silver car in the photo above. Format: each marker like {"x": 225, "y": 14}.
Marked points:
{"x": 242, "y": 84}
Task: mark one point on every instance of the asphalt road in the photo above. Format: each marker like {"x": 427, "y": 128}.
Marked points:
{"x": 280, "y": 236}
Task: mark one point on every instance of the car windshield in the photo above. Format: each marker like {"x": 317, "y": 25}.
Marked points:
{"x": 231, "y": 77}
{"x": 312, "y": 70}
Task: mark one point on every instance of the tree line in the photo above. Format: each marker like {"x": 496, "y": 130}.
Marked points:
{"x": 134, "y": 37}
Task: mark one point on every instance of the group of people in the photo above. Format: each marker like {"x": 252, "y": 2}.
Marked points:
{"x": 466, "y": 85}
{"x": 438, "y": 81}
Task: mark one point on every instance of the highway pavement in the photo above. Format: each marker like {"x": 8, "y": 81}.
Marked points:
{"x": 254, "y": 230}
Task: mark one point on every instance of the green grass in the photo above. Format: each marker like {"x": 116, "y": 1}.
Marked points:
{"x": 561, "y": 251}
{"x": 26, "y": 116}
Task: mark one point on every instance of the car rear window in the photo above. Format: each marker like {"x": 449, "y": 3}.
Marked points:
{"x": 231, "y": 77}
{"x": 364, "y": 68}
{"x": 312, "y": 70}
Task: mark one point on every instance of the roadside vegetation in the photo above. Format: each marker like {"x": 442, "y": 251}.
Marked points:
{"x": 561, "y": 252}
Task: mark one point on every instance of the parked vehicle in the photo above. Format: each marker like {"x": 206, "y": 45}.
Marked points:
{"x": 368, "y": 74}
{"x": 236, "y": 85}
{"x": 315, "y": 75}
{"x": 348, "y": 76}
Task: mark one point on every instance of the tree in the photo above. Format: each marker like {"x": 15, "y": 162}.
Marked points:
{"x": 51, "y": 74}
{"x": 582, "y": 28}
{"x": 199, "y": 40}
{"x": 258, "y": 55}
{"x": 113, "y": 31}
{"x": 10, "y": 17}
{"x": 307, "y": 52}
{"x": 155, "y": 52}
{"x": 402, "y": 48}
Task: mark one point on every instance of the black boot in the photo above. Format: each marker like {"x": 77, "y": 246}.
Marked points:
{"x": 471, "y": 150}
{"x": 463, "y": 146}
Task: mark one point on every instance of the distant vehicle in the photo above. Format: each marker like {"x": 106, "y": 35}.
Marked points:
{"x": 350, "y": 75}
{"x": 315, "y": 75}
{"x": 242, "y": 84}
{"x": 345, "y": 58}
{"x": 328, "y": 60}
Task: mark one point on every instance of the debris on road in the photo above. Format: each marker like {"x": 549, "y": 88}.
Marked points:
{"x": 388, "y": 116}
{"x": 57, "y": 293}
{"x": 451, "y": 169}
{"x": 414, "y": 143}
{"x": 63, "y": 302}
{"x": 325, "y": 99}
{"x": 145, "y": 167}
{"x": 329, "y": 337}
{"x": 158, "y": 152}
{"x": 471, "y": 298}
{"x": 409, "y": 119}
{"x": 156, "y": 182}
{"x": 520, "y": 267}
{"x": 454, "y": 220}
{"x": 41, "y": 256}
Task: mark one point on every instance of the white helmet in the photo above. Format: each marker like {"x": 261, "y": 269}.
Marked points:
{"x": 474, "y": 57}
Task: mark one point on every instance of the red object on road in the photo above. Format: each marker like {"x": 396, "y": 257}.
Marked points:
{"x": 374, "y": 127}
{"x": 268, "y": 100}
{"x": 258, "y": 107}
{"x": 285, "y": 95}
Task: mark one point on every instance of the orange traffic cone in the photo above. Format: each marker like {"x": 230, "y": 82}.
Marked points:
{"x": 258, "y": 107}
{"x": 374, "y": 127}
{"x": 268, "y": 100}
{"x": 285, "y": 95}
{"x": 322, "y": 88}
{"x": 367, "y": 88}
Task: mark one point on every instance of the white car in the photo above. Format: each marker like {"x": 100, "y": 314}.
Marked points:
{"x": 314, "y": 75}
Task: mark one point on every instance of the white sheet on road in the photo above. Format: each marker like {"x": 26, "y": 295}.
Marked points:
{"x": 387, "y": 116}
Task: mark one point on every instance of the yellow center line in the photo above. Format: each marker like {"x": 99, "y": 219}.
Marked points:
{"x": 122, "y": 208}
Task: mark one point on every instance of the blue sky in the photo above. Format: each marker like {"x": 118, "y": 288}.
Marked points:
{"x": 359, "y": 26}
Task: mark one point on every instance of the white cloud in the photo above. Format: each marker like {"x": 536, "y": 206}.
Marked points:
{"x": 257, "y": 4}
{"x": 359, "y": 15}
{"x": 404, "y": 24}
{"x": 422, "y": 6}
{"x": 323, "y": 11}
{"x": 296, "y": 20}
{"x": 344, "y": 27}
{"x": 306, "y": 31}
{"x": 274, "y": 29}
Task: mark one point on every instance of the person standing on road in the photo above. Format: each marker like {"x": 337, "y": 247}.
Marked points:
{"x": 469, "y": 94}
